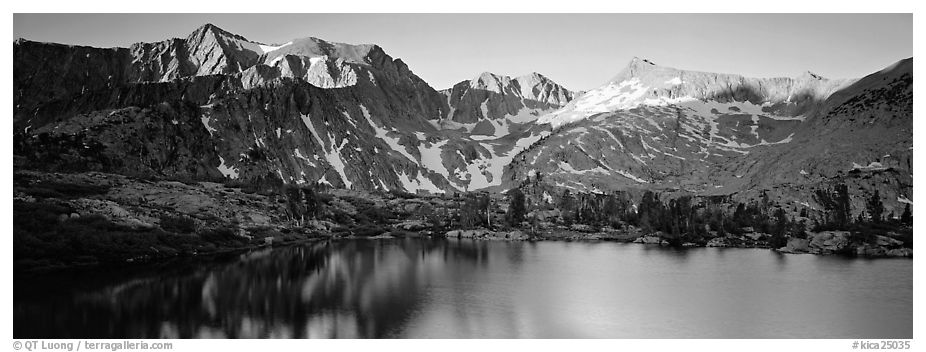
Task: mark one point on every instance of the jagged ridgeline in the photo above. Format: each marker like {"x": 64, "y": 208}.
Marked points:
{"x": 217, "y": 106}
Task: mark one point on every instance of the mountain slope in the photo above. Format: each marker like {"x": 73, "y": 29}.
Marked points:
{"x": 862, "y": 137}
{"x": 216, "y": 106}
{"x": 642, "y": 82}
{"x": 699, "y": 133}
{"x": 220, "y": 106}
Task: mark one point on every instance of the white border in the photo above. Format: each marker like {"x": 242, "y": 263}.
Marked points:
{"x": 492, "y": 6}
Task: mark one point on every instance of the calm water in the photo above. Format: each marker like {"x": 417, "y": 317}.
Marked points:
{"x": 459, "y": 289}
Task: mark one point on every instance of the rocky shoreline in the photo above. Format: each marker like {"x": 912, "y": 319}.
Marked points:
{"x": 819, "y": 243}
{"x": 64, "y": 220}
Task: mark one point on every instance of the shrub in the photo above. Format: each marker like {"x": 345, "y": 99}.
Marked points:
{"x": 178, "y": 224}
{"x": 368, "y": 230}
{"x": 221, "y": 235}
{"x": 403, "y": 195}
{"x": 51, "y": 189}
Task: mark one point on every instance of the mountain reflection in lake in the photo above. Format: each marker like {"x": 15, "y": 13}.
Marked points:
{"x": 419, "y": 288}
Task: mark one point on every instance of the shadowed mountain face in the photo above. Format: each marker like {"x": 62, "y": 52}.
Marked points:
{"x": 215, "y": 105}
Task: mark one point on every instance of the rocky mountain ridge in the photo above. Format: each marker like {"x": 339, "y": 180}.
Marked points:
{"x": 643, "y": 83}
{"x": 650, "y": 129}
{"x": 222, "y": 106}
{"x": 215, "y": 105}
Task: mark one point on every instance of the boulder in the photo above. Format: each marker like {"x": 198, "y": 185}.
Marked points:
{"x": 650, "y": 239}
{"x": 718, "y": 242}
{"x": 518, "y": 235}
{"x": 545, "y": 215}
{"x": 320, "y": 225}
{"x": 477, "y": 233}
{"x": 137, "y": 224}
{"x": 581, "y": 227}
{"x": 796, "y": 245}
{"x": 828, "y": 242}
{"x": 885, "y": 241}
{"x": 244, "y": 233}
{"x": 900, "y": 252}
{"x": 412, "y": 225}
{"x": 755, "y": 236}
{"x": 484, "y": 234}
{"x": 868, "y": 250}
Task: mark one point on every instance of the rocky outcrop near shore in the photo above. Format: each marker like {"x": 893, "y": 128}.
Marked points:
{"x": 841, "y": 242}
{"x": 483, "y": 234}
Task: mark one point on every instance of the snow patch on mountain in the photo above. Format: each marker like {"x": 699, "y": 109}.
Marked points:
{"x": 630, "y": 176}
{"x": 383, "y": 134}
{"x": 227, "y": 171}
{"x": 205, "y": 121}
{"x": 872, "y": 166}
{"x": 299, "y": 155}
{"x": 431, "y": 158}
{"x": 487, "y": 172}
{"x": 332, "y": 154}
{"x": 419, "y": 183}
{"x": 568, "y": 168}
{"x": 334, "y": 159}
{"x": 268, "y": 48}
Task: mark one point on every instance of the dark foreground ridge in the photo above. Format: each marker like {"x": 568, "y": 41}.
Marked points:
{"x": 69, "y": 220}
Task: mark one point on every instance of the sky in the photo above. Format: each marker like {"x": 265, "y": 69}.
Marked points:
{"x": 579, "y": 51}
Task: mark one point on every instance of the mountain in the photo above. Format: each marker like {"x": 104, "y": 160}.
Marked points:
{"x": 642, "y": 82}
{"x": 686, "y": 132}
{"x": 217, "y": 106}
{"x": 48, "y": 71}
{"x": 494, "y": 97}
{"x": 221, "y": 106}
{"x": 213, "y": 110}
{"x": 491, "y": 118}
{"x": 862, "y": 136}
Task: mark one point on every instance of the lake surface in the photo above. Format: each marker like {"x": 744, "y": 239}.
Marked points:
{"x": 419, "y": 288}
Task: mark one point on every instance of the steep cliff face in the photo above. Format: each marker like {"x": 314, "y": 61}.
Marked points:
{"x": 207, "y": 107}
{"x": 47, "y": 71}
{"x": 494, "y": 97}
{"x": 492, "y": 118}
{"x": 287, "y": 129}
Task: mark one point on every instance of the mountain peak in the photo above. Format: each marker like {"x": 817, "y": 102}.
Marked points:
{"x": 210, "y": 28}
{"x": 490, "y": 81}
{"x": 636, "y": 67}
{"x": 532, "y": 77}
{"x": 486, "y": 75}
{"x": 811, "y": 75}
{"x": 637, "y": 61}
